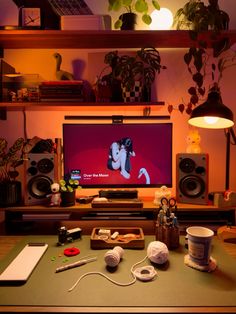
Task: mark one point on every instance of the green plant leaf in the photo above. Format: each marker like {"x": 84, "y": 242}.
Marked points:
{"x": 62, "y": 182}
{"x": 146, "y": 18}
{"x": 156, "y": 5}
{"x": 118, "y": 24}
{"x": 127, "y": 3}
{"x": 115, "y": 5}
{"x": 141, "y": 6}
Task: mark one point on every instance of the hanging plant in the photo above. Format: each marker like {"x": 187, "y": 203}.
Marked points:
{"x": 200, "y": 62}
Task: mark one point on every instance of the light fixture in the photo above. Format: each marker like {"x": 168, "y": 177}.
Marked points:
{"x": 213, "y": 114}
{"x": 161, "y": 19}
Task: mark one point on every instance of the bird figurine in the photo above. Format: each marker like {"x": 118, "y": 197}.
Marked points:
{"x": 61, "y": 74}
{"x": 144, "y": 172}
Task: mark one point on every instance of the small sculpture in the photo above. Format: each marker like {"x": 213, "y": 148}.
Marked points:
{"x": 193, "y": 142}
{"x": 61, "y": 74}
{"x": 56, "y": 195}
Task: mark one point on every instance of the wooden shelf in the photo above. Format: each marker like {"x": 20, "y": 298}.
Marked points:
{"x": 60, "y": 106}
{"x": 41, "y": 39}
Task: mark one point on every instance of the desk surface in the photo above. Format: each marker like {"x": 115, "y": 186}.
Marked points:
{"x": 176, "y": 289}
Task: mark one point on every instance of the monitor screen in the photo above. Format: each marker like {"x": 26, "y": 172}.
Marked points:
{"x": 118, "y": 155}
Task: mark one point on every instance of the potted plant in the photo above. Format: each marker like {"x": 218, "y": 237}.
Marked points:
{"x": 130, "y": 69}
{"x": 107, "y": 86}
{"x": 206, "y": 71}
{"x": 131, "y": 9}
{"x": 10, "y": 188}
{"x": 198, "y": 17}
{"x": 67, "y": 189}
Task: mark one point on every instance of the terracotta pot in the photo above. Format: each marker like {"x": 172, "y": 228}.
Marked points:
{"x": 10, "y": 193}
{"x": 67, "y": 199}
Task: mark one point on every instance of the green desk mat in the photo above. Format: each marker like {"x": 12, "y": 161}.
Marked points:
{"x": 175, "y": 285}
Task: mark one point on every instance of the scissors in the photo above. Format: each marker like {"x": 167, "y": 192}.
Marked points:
{"x": 168, "y": 203}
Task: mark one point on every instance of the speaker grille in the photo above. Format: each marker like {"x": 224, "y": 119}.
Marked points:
{"x": 192, "y": 178}
{"x": 39, "y": 175}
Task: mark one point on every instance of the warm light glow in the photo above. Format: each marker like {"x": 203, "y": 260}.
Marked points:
{"x": 219, "y": 123}
{"x": 211, "y": 120}
{"x": 161, "y": 19}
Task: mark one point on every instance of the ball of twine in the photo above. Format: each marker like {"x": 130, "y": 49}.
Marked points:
{"x": 157, "y": 252}
{"x": 112, "y": 257}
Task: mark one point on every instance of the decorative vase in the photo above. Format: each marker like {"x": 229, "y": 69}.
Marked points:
{"x": 128, "y": 21}
{"x": 134, "y": 94}
{"x": 67, "y": 199}
{"x": 10, "y": 193}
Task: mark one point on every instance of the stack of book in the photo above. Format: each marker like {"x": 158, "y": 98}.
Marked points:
{"x": 62, "y": 91}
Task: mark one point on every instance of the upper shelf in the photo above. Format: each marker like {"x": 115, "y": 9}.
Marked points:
{"x": 20, "y": 39}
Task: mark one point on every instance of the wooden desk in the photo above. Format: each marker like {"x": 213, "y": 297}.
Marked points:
{"x": 177, "y": 288}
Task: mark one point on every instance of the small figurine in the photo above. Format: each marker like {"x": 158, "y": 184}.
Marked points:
{"x": 193, "y": 142}
{"x": 61, "y": 74}
{"x": 160, "y": 193}
{"x": 56, "y": 195}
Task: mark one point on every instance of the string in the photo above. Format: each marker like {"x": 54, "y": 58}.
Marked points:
{"x": 110, "y": 279}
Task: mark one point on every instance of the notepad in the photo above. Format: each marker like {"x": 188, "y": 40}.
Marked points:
{"x": 22, "y": 266}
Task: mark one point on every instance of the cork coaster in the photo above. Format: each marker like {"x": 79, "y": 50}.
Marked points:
{"x": 207, "y": 268}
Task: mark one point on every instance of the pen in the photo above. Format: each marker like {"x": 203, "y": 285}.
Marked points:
{"x": 76, "y": 264}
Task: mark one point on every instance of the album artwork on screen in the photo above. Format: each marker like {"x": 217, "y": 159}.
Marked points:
{"x": 118, "y": 155}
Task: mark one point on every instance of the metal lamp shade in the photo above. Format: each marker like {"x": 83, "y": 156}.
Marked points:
{"x": 212, "y": 114}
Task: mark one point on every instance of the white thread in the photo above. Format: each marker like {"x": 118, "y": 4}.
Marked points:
{"x": 112, "y": 257}
{"x": 108, "y": 278}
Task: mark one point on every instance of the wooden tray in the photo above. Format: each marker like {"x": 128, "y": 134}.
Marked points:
{"x": 123, "y": 240}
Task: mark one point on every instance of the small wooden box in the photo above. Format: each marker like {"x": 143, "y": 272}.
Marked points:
{"x": 128, "y": 238}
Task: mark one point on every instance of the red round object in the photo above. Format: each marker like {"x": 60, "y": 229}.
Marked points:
{"x": 72, "y": 251}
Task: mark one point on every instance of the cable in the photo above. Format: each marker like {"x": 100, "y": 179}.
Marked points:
{"x": 108, "y": 278}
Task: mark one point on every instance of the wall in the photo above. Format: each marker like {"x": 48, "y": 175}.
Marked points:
{"x": 171, "y": 86}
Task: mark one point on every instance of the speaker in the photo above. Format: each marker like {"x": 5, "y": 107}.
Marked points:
{"x": 40, "y": 173}
{"x": 192, "y": 178}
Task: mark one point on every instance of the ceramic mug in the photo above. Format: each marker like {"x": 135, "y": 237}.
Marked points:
{"x": 199, "y": 244}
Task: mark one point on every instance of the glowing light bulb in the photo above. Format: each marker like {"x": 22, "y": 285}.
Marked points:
{"x": 211, "y": 120}
{"x": 161, "y": 19}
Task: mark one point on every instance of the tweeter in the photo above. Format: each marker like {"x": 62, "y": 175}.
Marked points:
{"x": 192, "y": 178}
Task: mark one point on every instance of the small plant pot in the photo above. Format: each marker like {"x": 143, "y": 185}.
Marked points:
{"x": 67, "y": 199}
{"x": 128, "y": 21}
{"x": 134, "y": 94}
{"x": 10, "y": 193}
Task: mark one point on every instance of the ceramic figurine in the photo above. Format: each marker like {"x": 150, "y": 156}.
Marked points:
{"x": 193, "y": 142}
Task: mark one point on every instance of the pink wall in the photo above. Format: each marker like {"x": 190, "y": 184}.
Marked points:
{"x": 171, "y": 86}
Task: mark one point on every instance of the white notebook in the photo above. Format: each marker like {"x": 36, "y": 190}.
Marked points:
{"x": 24, "y": 263}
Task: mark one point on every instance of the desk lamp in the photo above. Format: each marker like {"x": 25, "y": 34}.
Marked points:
{"x": 213, "y": 114}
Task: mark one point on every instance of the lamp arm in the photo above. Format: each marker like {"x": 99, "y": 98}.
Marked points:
{"x": 229, "y": 134}
{"x": 233, "y": 136}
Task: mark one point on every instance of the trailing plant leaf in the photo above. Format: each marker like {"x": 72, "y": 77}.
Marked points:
{"x": 170, "y": 109}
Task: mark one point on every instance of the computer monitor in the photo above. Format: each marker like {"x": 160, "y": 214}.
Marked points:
{"x": 122, "y": 155}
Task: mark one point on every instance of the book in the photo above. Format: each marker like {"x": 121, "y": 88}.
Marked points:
{"x": 70, "y": 7}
